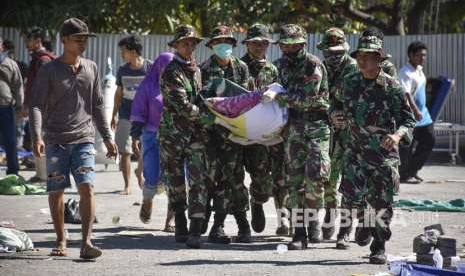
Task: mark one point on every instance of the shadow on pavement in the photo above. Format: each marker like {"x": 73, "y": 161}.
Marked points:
{"x": 276, "y": 263}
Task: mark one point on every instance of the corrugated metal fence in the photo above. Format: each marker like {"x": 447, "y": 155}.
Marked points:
{"x": 446, "y": 56}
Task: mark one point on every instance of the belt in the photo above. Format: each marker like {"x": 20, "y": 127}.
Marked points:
{"x": 308, "y": 115}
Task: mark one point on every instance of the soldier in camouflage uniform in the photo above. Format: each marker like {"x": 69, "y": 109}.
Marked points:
{"x": 376, "y": 118}
{"x": 182, "y": 137}
{"x": 225, "y": 158}
{"x": 307, "y": 138}
{"x": 265, "y": 164}
{"x": 386, "y": 65}
{"x": 339, "y": 64}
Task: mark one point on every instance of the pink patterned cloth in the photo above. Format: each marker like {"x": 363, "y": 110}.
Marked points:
{"x": 232, "y": 107}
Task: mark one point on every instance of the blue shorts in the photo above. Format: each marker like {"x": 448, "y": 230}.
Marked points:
{"x": 151, "y": 162}
{"x": 78, "y": 159}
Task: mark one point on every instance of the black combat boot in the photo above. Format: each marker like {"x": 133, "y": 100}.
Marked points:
{"x": 193, "y": 241}
{"x": 180, "y": 222}
{"x": 243, "y": 235}
{"x": 299, "y": 240}
{"x": 217, "y": 234}
{"x": 258, "y": 217}
{"x": 363, "y": 235}
{"x": 314, "y": 231}
{"x": 378, "y": 252}
{"x": 344, "y": 233}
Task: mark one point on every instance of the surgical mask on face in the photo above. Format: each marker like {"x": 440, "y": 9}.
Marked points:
{"x": 222, "y": 50}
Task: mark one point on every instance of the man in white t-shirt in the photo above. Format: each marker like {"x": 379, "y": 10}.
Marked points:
{"x": 413, "y": 80}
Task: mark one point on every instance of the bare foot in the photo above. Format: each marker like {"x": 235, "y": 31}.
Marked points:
{"x": 146, "y": 211}
{"x": 125, "y": 192}
{"x": 140, "y": 178}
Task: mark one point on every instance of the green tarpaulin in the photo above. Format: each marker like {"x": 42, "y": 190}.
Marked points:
{"x": 456, "y": 205}
{"x": 16, "y": 185}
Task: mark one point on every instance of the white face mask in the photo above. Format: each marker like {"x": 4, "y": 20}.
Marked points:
{"x": 222, "y": 50}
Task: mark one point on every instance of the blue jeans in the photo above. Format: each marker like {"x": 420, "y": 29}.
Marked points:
{"x": 8, "y": 132}
{"x": 77, "y": 159}
{"x": 151, "y": 162}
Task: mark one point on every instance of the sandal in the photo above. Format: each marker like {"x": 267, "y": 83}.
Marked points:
{"x": 145, "y": 211}
{"x": 90, "y": 253}
{"x": 58, "y": 252}
{"x": 169, "y": 228}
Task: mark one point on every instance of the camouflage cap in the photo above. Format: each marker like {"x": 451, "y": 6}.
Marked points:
{"x": 369, "y": 44}
{"x": 292, "y": 34}
{"x": 334, "y": 39}
{"x": 221, "y": 31}
{"x": 183, "y": 32}
{"x": 258, "y": 32}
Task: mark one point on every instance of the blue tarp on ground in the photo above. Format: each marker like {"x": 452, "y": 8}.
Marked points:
{"x": 425, "y": 270}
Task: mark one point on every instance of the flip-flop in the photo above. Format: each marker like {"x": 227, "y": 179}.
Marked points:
{"x": 169, "y": 229}
{"x": 145, "y": 213}
{"x": 58, "y": 252}
{"x": 90, "y": 253}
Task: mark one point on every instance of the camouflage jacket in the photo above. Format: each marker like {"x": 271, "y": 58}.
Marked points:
{"x": 389, "y": 68}
{"x": 236, "y": 71}
{"x": 336, "y": 80}
{"x": 262, "y": 73}
{"x": 374, "y": 109}
{"x": 306, "y": 81}
{"x": 180, "y": 85}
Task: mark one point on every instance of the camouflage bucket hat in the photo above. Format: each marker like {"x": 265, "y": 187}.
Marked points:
{"x": 258, "y": 32}
{"x": 369, "y": 44}
{"x": 221, "y": 32}
{"x": 292, "y": 34}
{"x": 183, "y": 32}
{"x": 334, "y": 39}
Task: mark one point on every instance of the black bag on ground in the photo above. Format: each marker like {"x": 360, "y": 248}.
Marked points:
{"x": 72, "y": 214}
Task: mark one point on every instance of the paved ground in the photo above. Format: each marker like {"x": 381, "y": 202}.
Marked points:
{"x": 158, "y": 254}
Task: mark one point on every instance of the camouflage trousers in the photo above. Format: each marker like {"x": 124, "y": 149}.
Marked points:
{"x": 372, "y": 185}
{"x": 330, "y": 186}
{"x": 181, "y": 154}
{"x": 226, "y": 171}
{"x": 277, "y": 158}
{"x": 257, "y": 164}
{"x": 308, "y": 163}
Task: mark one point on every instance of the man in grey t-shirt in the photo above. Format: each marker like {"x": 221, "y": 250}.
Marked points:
{"x": 66, "y": 101}
{"x": 128, "y": 78}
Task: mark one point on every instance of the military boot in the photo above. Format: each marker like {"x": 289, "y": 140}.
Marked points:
{"x": 258, "y": 217}
{"x": 243, "y": 235}
{"x": 363, "y": 235}
{"x": 217, "y": 234}
{"x": 314, "y": 231}
{"x": 378, "y": 252}
{"x": 344, "y": 233}
{"x": 299, "y": 240}
{"x": 180, "y": 223}
{"x": 193, "y": 241}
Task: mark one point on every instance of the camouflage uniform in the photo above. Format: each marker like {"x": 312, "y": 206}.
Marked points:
{"x": 263, "y": 161}
{"x": 307, "y": 137}
{"x": 374, "y": 109}
{"x": 334, "y": 40}
{"x": 339, "y": 64}
{"x": 225, "y": 158}
{"x": 182, "y": 134}
{"x": 388, "y": 67}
